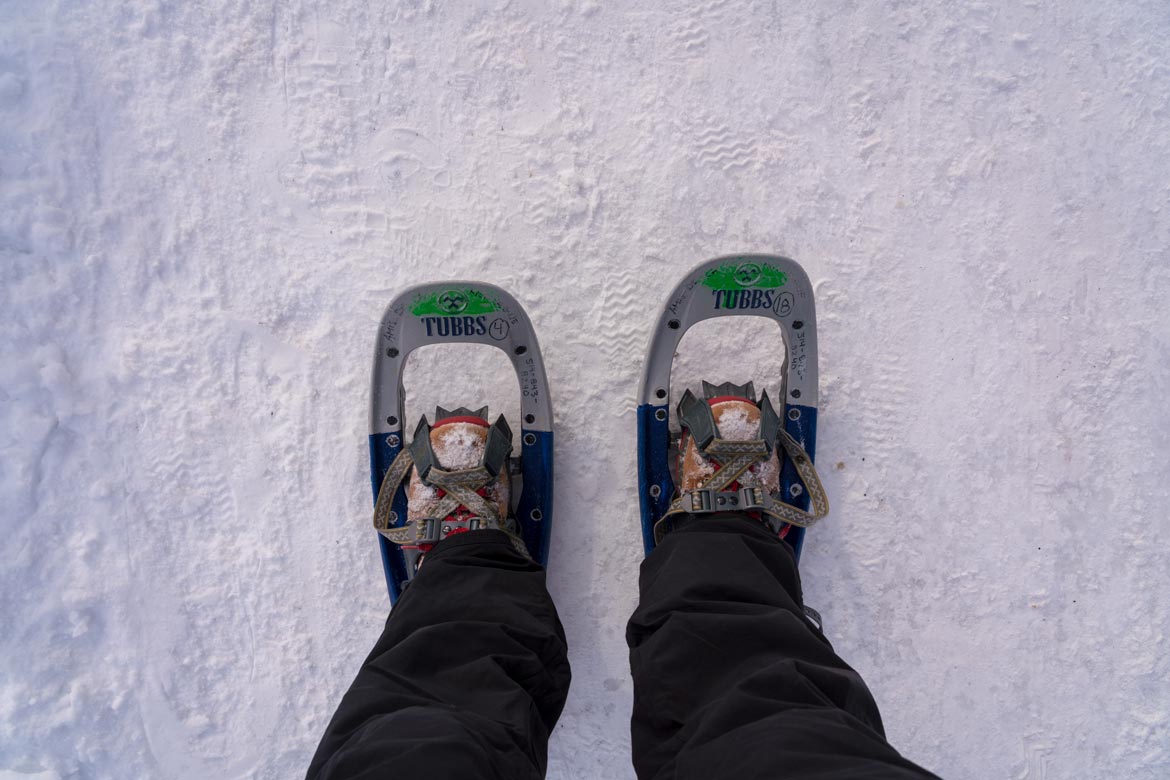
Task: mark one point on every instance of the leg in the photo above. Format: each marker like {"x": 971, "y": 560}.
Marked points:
{"x": 731, "y": 680}
{"x": 467, "y": 680}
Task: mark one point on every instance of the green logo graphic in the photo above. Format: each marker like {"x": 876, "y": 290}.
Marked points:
{"x": 744, "y": 276}
{"x": 447, "y": 303}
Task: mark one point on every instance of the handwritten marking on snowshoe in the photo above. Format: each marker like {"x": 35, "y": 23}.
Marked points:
{"x": 784, "y": 303}
{"x": 498, "y": 329}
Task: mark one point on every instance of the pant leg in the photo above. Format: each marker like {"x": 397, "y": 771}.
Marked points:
{"x": 467, "y": 680}
{"x": 731, "y": 680}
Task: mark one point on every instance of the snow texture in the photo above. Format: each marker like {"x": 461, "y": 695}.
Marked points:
{"x": 204, "y": 208}
{"x": 459, "y": 445}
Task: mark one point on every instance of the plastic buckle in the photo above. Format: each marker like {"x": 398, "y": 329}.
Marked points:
{"x": 709, "y": 500}
{"x": 702, "y": 500}
{"x": 426, "y": 531}
{"x": 751, "y": 498}
{"x": 467, "y": 523}
{"x": 431, "y": 530}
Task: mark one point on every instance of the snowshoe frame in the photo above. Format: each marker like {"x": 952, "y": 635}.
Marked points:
{"x": 450, "y": 313}
{"x": 768, "y": 286}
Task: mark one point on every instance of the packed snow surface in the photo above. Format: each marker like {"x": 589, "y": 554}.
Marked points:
{"x": 204, "y": 207}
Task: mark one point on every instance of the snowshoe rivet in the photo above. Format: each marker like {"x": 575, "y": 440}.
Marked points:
{"x": 734, "y": 501}
{"x": 655, "y": 491}
{"x": 673, "y": 324}
{"x": 391, "y": 352}
{"x": 446, "y": 529}
{"x": 530, "y": 418}
{"x": 393, "y": 518}
{"x": 660, "y": 415}
{"x": 720, "y": 500}
{"x": 520, "y": 350}
{"x": 536, "y": 515}
{"x": 796, "y": 394}
{"x": 660, "y": 392}
{"x": 530, "y": 438}
{"x": 795, "y": 490}
{"x": 391, "y": 420}
{"x": 798, "y": 324}
{"x": 793, "y": 414}
{"x": 392, "y": 440}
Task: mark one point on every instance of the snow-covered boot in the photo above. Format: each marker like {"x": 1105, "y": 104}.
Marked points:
{"x": 729, "y": 459}
{"x": 459, "y": 480}
{"x": 736, "y": 417}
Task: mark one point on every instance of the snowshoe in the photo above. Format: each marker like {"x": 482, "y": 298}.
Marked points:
{"x": 734, "y": 452}
{"x": 458, "y": 474}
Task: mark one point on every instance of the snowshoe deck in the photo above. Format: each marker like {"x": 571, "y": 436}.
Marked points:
{"x": 461, "y": 312}
{"x": 769, "y": 286}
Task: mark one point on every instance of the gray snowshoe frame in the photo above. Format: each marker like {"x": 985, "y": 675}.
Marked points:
{"x": 768, "y": 286}
{"x": 456, "y": 312}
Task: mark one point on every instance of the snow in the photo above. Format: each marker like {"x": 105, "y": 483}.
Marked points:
{"x": 205, "y": 206}
{"x": 459, "y": 445}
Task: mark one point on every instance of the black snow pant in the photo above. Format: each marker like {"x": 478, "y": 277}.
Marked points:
{"x": 730, "y": 679}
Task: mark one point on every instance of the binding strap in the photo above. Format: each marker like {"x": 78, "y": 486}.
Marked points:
{"x": 459, "y": 488}
{"x": 736, "y": 457}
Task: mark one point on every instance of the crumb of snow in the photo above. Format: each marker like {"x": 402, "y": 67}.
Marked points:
{"x": 696, "y": 467}
{"x": 421, "y": 490}
{"x": 737, "y": 421}
{"x": 459, "y": 445}
{"x": 766, "y": 474}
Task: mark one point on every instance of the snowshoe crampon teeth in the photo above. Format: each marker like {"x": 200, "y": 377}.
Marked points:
{"x": 747, "y": 391}
{"x": 443, "y": 414}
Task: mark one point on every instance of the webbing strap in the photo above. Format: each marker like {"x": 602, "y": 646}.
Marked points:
{"x": 394, "y": 476}
{"x": 812, "y": 483}
{"x": 736, "y": 457}
{"x": 460, "y": 487}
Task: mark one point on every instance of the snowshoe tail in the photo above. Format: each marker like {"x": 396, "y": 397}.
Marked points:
{"x": 767, "y": 286}
{"x": 448, "y": 313}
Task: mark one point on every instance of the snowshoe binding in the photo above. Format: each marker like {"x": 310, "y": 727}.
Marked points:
{"x": 457, "y": 475}
{"x": 734, "y": 452}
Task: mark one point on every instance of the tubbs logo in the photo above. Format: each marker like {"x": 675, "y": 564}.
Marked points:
{"x": 747, "y": 274}
{"x": 453, "y": 302}
{"x": 457, "y": 327}
{"x": 744, "y": 285}
{"x": 744, "y": 276}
